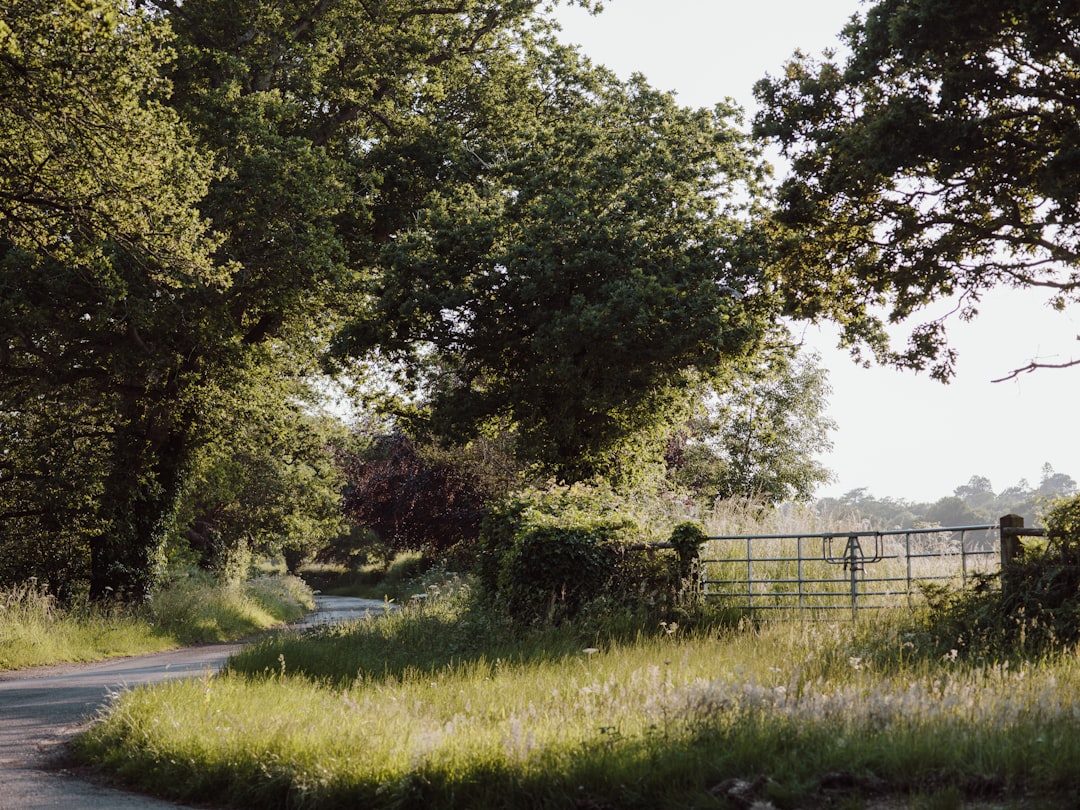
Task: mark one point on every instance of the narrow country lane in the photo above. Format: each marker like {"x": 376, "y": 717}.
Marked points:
{"x": 41, "y": 708}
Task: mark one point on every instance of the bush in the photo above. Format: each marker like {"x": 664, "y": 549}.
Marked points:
{"x": 551, "y": 572}
{"x": 545, "y": 555}
{"x": 687, "y": 539}
{"x": 1063, "y": 527}
{"x": 1031, "y": 608}
{"x": 416, "y": 498}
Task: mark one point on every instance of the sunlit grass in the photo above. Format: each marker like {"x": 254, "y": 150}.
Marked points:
{"x": 550, "y": 721}
{"x": 201, "y": 610}
{"x": 36, "y": 630}
{"x": 450, "y": 706}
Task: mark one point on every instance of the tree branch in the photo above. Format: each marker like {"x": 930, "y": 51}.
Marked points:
{"x": 1034, "y": 366}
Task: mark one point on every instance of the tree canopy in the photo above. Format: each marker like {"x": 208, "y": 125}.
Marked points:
{"x": 195, "y": 196}
{"x": 189, "y": 193}
{"x": 200, "y": 199}
{"x": 936, "y": 160}
{"x": 584, "y": 274}
{"x": 101, "y": 244}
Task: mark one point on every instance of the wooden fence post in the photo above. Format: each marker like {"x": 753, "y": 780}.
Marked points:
{"x": 1010, "y": 538}
{"x": 1010, "y": 528}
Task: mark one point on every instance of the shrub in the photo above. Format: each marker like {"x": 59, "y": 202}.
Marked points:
{"x": 544, "y": 555}
{"x": 416, "y": 498}
{"x": 687, "y": 539}
{"x": 1063, "y": 527}
{"x": 551, "y": 572}
{"x": 1032, "y": 607}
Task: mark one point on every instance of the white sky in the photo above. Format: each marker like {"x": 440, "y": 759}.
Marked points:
{"x": 899, "y": 434}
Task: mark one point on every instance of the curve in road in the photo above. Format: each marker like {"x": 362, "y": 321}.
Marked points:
{"x": 40, "y": 709}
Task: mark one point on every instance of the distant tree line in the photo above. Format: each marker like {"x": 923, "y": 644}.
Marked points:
{"x": 973, "y": 503}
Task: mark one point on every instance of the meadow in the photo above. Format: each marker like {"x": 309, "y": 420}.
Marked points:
{"x": 444, "y": 705}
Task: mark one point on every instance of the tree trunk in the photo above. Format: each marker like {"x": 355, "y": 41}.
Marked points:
{"x": 143, "y": 489}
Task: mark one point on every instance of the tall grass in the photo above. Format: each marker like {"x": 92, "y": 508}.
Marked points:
{"x": 35, "y": 629}
{"x": 340, "y": 718}
{"x": 199, "y": 609}
{"x": 442, "y": 705}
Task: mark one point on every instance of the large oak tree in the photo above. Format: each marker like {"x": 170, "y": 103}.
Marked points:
{"x": 581, "y": 279}
{"x": 195, "y": 195}
{"x": 101, "y": 247}
{"x": 189, "y": 192}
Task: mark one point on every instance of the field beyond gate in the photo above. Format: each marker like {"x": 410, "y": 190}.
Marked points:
{"x": 780, "y": 574}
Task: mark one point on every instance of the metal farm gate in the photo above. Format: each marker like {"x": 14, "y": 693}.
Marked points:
{"x": 770, "y": 575}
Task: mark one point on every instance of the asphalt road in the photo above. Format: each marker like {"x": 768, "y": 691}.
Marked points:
{"x": 40, "y": 709}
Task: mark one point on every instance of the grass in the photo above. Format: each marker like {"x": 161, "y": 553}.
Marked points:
{"x": 202, "y": 610}
{"x": 442, "y": 706}
{"x": 36, "y": 630}
{"x": 395, "y": 580}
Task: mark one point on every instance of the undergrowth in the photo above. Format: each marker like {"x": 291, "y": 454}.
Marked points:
{"x": 448, "y": 703}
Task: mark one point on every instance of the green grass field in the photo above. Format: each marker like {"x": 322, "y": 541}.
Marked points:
{"x": 442, "y": 706}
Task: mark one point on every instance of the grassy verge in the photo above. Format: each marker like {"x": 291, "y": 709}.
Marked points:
{"x": 35, "y": 630}
{"x": 442, "y": 707}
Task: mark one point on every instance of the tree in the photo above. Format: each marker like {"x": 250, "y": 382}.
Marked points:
{"x": 874, "y": 513}
{"x": 977, "y": 493}
{"x": 761, "y": 432}
{"x": 265, "y": 478}
{"x": 420, "y": 497}
{"x": 581, "y": 277}
{"x": 100, "y": 237}
{"x": 190, "y": 192}
{"x": 937, "y": 160}
{"x": 954, "y": 511}
{"x": 1055, "y": 484}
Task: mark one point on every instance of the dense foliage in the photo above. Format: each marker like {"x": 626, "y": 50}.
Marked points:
{"x": 103, "y": 253}
{"x": 547, "y": 555}
{"x": 1032, "y": 607}
{"x": 419, "y": 498}
{"x": 197, "y": 195}
{"x": 580, "y": 278}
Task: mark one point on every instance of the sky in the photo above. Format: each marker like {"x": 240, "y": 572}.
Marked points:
{"x": 899, "y": 434}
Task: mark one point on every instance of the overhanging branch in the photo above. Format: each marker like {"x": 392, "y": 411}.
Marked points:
{"x": 1035, "y": 366}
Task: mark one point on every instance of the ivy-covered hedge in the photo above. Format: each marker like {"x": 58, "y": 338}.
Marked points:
{"x": 546, "y": 555}
{"x": 551, "y": 572}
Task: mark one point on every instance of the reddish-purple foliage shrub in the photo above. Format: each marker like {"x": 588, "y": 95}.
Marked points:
{"x": 411, "y": 500}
